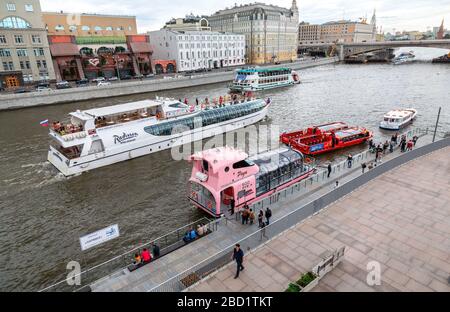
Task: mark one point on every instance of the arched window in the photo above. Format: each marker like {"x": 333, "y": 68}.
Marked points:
{"x": 73, "y": 28}
{"x": 59, "y": 27}
{"x": 85, "y": 28}
{"x": 98, "y": 28}
{"x": 14, "y": 22}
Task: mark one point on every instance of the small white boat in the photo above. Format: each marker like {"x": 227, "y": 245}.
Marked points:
{"x": 398, "y": 119}
{"x": 102, "y": 136}
{"x": 404, "y": 57}
{"x": 257, "y": 79}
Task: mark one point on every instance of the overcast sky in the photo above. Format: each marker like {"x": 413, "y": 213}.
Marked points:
{"x": 152, "y": 14}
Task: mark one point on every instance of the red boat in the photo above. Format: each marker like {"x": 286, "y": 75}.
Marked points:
{"x": 326, "y": 138}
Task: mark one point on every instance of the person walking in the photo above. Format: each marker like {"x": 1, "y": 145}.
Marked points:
{"x": 363, "y": 166}
{"x": 196, "y": 101}
{"x": 403, "y": 146}
{"x": 329, "y": 170}
{"x": 391, "y": 147}
{"x": 268, "y": 215}
{"x": 244, "y": 215}
{"x": 260, "y": 218}
{"x": 349, "y": 160}
{"x": 238, "y": 256}
{"x": 252, "y": 216}
{"x": 415, "y": 138}
{"x": 232, "y": 206}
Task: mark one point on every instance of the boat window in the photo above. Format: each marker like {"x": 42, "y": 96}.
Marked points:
{"x": 69, "y": 152}
{"x": 205, "y": 165}
{"x": 203, "y": 197}
{"x": 96, "y": 147}
{"x": 178, "y": 105}
{"x": 241, "y": 164}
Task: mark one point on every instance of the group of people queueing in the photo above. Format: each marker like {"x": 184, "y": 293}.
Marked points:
{"x": 382, "y": 148}
{"x": 248, "y": 216}
{"x": 146, "y": 256}
{"x": 193, "y": 234}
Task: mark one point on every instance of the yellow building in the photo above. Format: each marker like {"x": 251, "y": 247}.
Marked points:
{"x": 89, "y": 25}
{"x": 270, "y": 31}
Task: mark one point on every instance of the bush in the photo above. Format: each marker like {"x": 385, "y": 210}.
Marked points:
{"x": 306, "y": 279}
{"x": 293, "y": 288}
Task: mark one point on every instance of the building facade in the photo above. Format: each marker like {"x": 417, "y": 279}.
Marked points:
{"x": 89, "y": 25}
{"x": 73, "y": 61}
{"x": 24, "y": 49}
{"x": 193, "y": 50}
{"x": 338, "y": 31}
{"x": 189, "y": 23}
{"x": 271, "y": 32}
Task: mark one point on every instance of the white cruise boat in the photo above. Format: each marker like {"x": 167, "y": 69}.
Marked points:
{"x": 397, "y": 119}
{"x": 103, "y": 136}
{"x": 257, "y": 79}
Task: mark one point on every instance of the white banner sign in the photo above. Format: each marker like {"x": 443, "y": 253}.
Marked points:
{"x": 99, "y": 237}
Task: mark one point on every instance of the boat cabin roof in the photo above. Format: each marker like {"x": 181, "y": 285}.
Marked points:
{"x": 332, "y": 126}
{"x": 220, "y": 157}
{"x": 399, "y": 113}
{"x": 263, "y": 70}
{"x": 347, "y": 133}
{"x": 121, "y": 108}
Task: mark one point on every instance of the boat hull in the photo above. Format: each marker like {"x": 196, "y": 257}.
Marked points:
{"x": 260, "y": 88}
{"x": 151, "y": 145}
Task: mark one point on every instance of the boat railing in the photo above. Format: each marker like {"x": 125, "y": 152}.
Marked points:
{"x": 118, "y": 264}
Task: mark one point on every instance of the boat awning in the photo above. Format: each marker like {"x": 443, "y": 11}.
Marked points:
{"x": 347, "y": 133}
{"x": 64, "y": 49}
{"x": 141, "y": 47}
{"x": 121, "y": 109}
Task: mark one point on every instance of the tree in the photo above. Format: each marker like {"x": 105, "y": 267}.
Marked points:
{"x": 447, "y": 36}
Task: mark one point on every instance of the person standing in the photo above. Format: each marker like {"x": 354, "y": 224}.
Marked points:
{"x": 349, "y": 160}
{"x": 196, "y": 101}
{"x": 155, "y": 249}
{"x": 391, "y": 147}
{"x": 329, "y": 170}
{"x": 268, "y": 215}
{"x": 260, "y": 218}
{"x": 238, "y": 256}
{"x": 252, "y": 216}
{"x": 363, "y": 166}
{"x": 244, "y": 216}
{"x": 415, "y": 138}
{"x": 232, "y": 206}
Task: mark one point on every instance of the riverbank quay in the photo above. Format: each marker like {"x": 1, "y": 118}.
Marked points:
{"x": 398, "y": 221}
{"x": 24, "y": 100}
{"x": 289, "y": 208}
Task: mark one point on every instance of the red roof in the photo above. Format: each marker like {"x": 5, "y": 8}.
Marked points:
{"x": 140, "y": 47}
{"x": 64, "y": 49}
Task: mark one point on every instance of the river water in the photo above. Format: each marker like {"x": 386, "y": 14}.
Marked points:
{"x": 42, "y": 214}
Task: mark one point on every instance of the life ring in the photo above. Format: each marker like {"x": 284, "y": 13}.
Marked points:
{"x": 158, "y": 115}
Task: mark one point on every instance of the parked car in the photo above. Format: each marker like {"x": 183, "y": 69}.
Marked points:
{"x": 103, "y": 83}
{"x": 21, "y": 90}
{"x": 82, "y": 82}
{"x": 98, "y": 79}
{"x": 43, "y": 89}
{"x": 138, "y": 77}
{"x": 150, "y": 76}
{"x": 114, "y": 78}
{"x": 63, "y": 85}
{"x": 126, "y": 77}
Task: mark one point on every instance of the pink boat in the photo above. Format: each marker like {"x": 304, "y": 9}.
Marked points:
{"x": 223, "y": 175}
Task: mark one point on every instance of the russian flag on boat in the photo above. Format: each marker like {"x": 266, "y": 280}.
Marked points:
{"x": 44, "y": 123}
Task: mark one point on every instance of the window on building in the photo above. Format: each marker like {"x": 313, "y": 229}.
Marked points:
{"x": 181, "y": 55}
{"x": 120, "y": 28}
{"x": 73, "y": 28}
{"x": 35, "y": 38}
{"x": 98, "y": 28}
{"x": 27, "y": 64}
{"x": 2, "y": 39}
{"x": 130, "y": 28}
{"x": 8, "y": 66}
{"x": 59, "y": 27}
{"x": 11, "y": 6}
{"x": 39, "y": 65}
{"x": 22, "y": 52}
{"x": 44, "y": 64}
{"x": 14, "y": 22}
{"x": 29, "y": 8}
{"x": 85, "y": 28}
{"x": 109, "y": 28}
{"x": 18, "y": 38}
{"x": 5, "y": 52}
{"x": 39, "y": 52}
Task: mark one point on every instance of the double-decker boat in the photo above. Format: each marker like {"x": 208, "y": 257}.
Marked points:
{"x": 257, "y": 79}
{"x": 398, "y": 119}
{"x": 326, "y": 138}
{"x": 107, "y": 135}
{"x": 225, "y": 177}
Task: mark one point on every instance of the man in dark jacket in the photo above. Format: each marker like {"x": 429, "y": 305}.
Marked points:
{"x": 238, "y": 256}
{"x": 329, "y": 170}
{"x": 268, "y": 215}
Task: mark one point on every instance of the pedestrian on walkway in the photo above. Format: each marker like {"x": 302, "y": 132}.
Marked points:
{"x": 403, "y": 146}
{"x": 410, "y": 145}
{"x": 260, "y": 218}
{"x": 391, "y": 147}
{"x": 263, "y": 230}
{"x": 244, "y": 216}
{"x": 268, "y": 215}
{"x": 349, "y": 160}
{"x": 363, "y": 166}
{"x": 329, "y": 170}
{"x": 196, "y": 101}
{"x": 385, "y": 147}
{"x": 252, "y": 216}
{"x": 396, "y": 138}
{"x": 336, "y": 185}
{"x": 415, "y": 138}
{"x": 238, "y": 256}
{"x": 232, "y": 206}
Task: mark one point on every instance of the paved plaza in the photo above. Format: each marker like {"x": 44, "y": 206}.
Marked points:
{"x": 400, "y": 219}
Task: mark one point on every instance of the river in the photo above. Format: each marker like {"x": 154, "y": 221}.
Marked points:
{"x": 43, "y": 214}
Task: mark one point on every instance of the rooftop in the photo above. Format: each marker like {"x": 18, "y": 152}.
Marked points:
{"x": 89, "y": 14}
{"x": 220, "y": 157}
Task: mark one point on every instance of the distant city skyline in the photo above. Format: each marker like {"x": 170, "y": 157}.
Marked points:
{"x": 420, "y": 15}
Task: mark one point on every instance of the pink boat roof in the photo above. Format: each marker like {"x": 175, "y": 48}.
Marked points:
{"x": 220, "y": 157}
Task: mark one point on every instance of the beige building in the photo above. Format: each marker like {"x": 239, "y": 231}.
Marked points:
{"x": 270, "y": 31}
{"x": 339, "y": 31}
{"x": 24, "y": 49}
{"x": 89, "y": 25}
